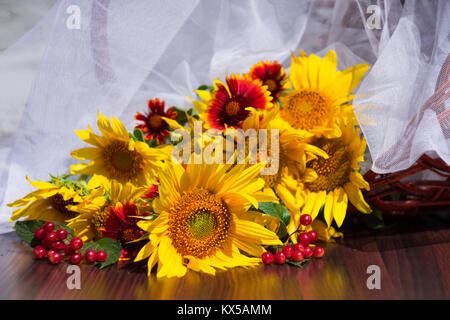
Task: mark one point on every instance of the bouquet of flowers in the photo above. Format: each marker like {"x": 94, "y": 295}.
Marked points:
{"x": 264, "y": 165}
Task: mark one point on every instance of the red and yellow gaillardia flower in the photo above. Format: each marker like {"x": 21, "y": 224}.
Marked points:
{"x": 121, "y": 225}
{"x": 201, "y": 224}
{"x": 272, "y": 75}
{"x": 227, "y": 106}
{"x": 320, "y": 93}
{"x": 115, "y": 155}
{"x": 153, "y": 124}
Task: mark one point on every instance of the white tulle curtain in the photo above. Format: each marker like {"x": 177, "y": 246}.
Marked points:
{"x": 55, "y": 79}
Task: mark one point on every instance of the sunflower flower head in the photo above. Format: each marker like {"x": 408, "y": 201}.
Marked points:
{"x": 272, "y": 75}
{"x": 52, "y": 200}
{"x": 320, "y": 93}
{"x": 115, "y": 155}
{"x": 153, "y": 125}
{"x": 201, "y": 224}
{"x": 289, "y": 158}
{"x": 330, "y": 183}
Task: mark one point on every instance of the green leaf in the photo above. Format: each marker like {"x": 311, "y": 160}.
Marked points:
{"x": 152, "y": 143}
{"x": 25, "y": 229}
{"x": 138, "y": 134}
{"x": 181, "y": 117}
{"x": 282, "y": 231}
{"x": 276, "y": 210}
{"x": 112, "y": 248}
{"x": 205, "y": 87}
{"x": 297, "y": 264}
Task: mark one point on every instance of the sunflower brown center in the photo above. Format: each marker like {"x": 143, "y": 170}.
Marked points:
{"x": 198, "y": 223}
{"x": 271, "y": 84}
{"x": 155, "y": 121}
{"x": 304, "y": 109}
{"x": 122, "y": 163}
{"x": 232, "y": 108}
{"x": 58, "y": 203}
{"x": 332, "y": 172}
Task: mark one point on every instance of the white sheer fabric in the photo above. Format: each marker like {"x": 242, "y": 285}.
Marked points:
{"x": 129, "y": 51}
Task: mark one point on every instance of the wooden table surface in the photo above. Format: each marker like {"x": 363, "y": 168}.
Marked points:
{"x": 412, "y": 253}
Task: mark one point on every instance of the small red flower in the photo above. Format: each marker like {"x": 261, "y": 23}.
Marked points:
{"x": 228, "y": 107}
{"x": 153, "y": 126}
{"x": 121, "y": 225}
{"x": 271, "y": 75}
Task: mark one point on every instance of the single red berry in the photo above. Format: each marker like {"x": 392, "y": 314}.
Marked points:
{"x": 304, "y": 239}
{"x": 49, "y": 226}
{"x": 299, "y": 247}
{"x": 58, "y": 246}
{"x": 55, "y": 258}
{"x": 46, "y": 244}
{"x": 319, "y": 252}
{"x": 313, "y": 236}
{"x": 90, "y": 255}
{"x": 40, "y": 234}
{"x": 288, "y": 250}
{"x": 267, "y": 257}
{"x": 61, "y": 234}
{"x": 76, "y": 258}
{"x": 280, "y": 257}
{"x": 308, "y": 252}
{"x": 49, "y": 253}
{"x": 76, "y": 243}
{"x": 101, "y": 256}
{"x": 39, "y": 252}
{"x": 297, "y": 256}
{"x": 305, "y": 219}
{"x": 51, "y": 237}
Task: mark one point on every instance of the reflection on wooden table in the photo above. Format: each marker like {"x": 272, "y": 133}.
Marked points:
{"x": 413, "y": 256}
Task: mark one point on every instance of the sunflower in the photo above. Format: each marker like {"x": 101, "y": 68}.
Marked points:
{"x": 91, "y": 221}
{"x": 227, "y": 106}
{"x": 51, "y": 202}
{"x": 294, "y": 151}
{"x": 335, "y": 180}
{"x": 272, "y": 75}
{"x": 320, "y": 93}
{"x": 154, "y": 126}
{"x": 201, "y": 223}
{"x": 117, "y": 156}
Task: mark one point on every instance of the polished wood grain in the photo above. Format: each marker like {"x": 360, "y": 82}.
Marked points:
{"x": 412, "y": 253}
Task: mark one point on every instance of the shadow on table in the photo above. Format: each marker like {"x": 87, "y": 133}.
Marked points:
{"x": 400, "y": 232}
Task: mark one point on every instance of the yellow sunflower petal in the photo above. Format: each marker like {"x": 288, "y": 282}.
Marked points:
{"x": 356, "y": 198}
{"x": 339, "y": 206}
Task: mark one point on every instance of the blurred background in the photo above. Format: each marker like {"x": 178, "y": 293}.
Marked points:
{"x": 19, "y": 16}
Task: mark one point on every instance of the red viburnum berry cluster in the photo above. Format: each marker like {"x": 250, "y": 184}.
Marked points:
{"x": 55, "y": 245}
{"x": 300, "y": 251}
